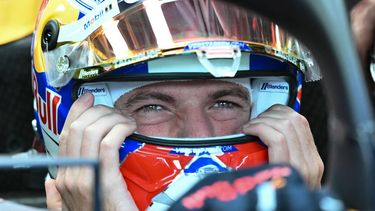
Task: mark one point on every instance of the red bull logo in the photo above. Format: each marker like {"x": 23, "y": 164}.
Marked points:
{"x": 47, "y": 110}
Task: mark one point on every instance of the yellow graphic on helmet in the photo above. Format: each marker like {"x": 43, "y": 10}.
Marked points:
{"x": 60, "y": 11}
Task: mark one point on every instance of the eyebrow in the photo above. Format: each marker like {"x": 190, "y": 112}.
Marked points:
{"x": 149, "y": 95}
{"x": 238, "y": 92}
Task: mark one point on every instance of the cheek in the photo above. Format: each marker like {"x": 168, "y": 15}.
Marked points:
{"x": 165, "y": 129}
{"x": 229, "y": 127}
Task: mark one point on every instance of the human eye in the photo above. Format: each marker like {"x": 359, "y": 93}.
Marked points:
{"x": 150, "y": 108}
{"x": 224, "y": 105}
{"x": 147, "y": 114}
{"x": 223, "y": 110}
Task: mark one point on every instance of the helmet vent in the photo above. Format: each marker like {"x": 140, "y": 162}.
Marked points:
{"x": 50, "y": 35}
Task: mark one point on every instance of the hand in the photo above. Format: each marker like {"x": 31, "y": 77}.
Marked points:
{"x": 288, "y": 137}
{"x": 95, "y": 132}
{"x": 363, "y": 26}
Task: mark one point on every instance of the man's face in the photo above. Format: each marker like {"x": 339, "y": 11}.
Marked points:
{"x": 187, "y": 109}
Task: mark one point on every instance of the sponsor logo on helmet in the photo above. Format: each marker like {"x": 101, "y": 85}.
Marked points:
{"x": 83, "y": 74}
{"x": 97, "y": 16}
{"x": 210, "y": 44}
{"x": 217, "y": 150}
{"x": 47, "y": 109}
{"x": 96, "y": 91}
{"x": 202, "y": 165}
{"x": 286, "y": 56}
{"x": 274, "y": 87}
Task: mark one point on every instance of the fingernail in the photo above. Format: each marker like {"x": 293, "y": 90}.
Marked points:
{"x": 85, "y": 97}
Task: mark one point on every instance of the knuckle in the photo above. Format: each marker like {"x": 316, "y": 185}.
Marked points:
{"x": 90, "y": 132}
{"x": 106, "y": 146}
{"x": 101, "y": 107}
{"x": 300, "y": 119}
{"x": 303, "y": 121}
{"x": 68, "y": 184}
{"x": 60, "y": 186}
{"x": 75, "y": 126}
{"x": 280, "y": 140}
{"x": 84, "y": 187}
{"x": 287, "y": 125}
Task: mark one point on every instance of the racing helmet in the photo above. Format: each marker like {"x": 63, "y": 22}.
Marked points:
{"x": 113, "y": 48}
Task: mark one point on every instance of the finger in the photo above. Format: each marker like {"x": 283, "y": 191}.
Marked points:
{"x": 79, "y": 106}
{"x": 277, "y": 147}
{"x": 278, "y": 117}
{"x": 80, "y": 115}
{"x": 109, "y": 158}
{"x": 95, "y": 132}
{"x": 315, "y": 164}
{"x": 68, "y": 178}
{"x": 288, "y": 131}
{"x": 79, "y": 126}
{"x": 363, "y": 26}
{"x": 303, "y": 152}
{"x": 291, "y": 121}
{"x": 293, "y": 125}
{"x": 110, "y": 145}
{"x": 53, "y": 198}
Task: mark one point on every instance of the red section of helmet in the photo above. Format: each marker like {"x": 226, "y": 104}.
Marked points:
{"x": 149, "y": 170}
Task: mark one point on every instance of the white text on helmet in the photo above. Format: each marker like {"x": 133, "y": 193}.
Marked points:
{"x": 47, "y": 110}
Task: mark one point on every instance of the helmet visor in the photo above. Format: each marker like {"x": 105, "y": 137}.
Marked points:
{"x": 155, "y": 29}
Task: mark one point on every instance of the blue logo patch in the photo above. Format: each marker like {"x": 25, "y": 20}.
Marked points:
{"x": 198, "y": 45}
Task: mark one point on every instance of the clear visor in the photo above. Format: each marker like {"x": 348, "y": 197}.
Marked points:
{"x": 156, "y": 28}
{"x": 186, "y": 110}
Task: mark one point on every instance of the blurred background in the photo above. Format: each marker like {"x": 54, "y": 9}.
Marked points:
{"x": 17, "y": 21}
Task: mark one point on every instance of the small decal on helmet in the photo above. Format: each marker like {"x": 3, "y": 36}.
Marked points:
{"x": 137, "y": 58}
{"x": 95, "y": 17}
{"x": 271, "y": 86}
{"x": 202, "y": 165}
{"x": 287, "y": 57}
{"x": 98, "y": 90}
{"x": 207, "y": 44}
{"x": 217, "y": 150}
{"x": 84, "y": 74}
{"x": 81, "y": 29}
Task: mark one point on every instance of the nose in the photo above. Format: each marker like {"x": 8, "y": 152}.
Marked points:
{"x": 195, "y": 124}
